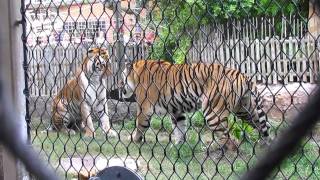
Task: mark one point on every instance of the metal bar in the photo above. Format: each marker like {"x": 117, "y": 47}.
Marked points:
{"x": 8, "y": 163}
{"x": 16, "y": 144}
{"x": 288, "y": 141}
{"x": 25, "y": 68}
{"x": 119, "y": 39}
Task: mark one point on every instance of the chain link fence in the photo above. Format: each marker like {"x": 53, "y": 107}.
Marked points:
{"x": 234, "y": 73}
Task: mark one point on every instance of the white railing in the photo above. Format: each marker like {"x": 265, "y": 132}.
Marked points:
{"x": 269, "y": 60}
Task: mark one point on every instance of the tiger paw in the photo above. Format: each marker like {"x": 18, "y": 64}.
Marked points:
{"x": 135, "y": 137}
{"x": 112, "y": 133}
{"x": 72, "y": 132}
{"x": 89, "y": 133}
{"x": 230, "y": 145}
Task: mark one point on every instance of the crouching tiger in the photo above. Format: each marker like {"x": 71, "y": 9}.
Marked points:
{"x": 84, "y": 96}
{"x": 161, "y": 87}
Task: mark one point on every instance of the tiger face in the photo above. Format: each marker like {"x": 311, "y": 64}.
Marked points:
{"x": 98, "y": 63}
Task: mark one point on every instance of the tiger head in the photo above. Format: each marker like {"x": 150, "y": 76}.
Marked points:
{"x": 98, "y": 63}
{"x": 128, "y": 84}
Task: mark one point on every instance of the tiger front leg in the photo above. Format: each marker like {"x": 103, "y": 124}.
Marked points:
{"x": 87, "y": 119}
{"x": 105, "y": 122}
{"x": 142, "y": 124}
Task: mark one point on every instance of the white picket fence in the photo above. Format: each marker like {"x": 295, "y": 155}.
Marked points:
{"x": 250, "y": 45}
{"x": 49, "y": 68}
{"x": 269, "y": 60}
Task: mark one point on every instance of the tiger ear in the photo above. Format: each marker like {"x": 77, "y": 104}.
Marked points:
{"x": 106, "y": 54}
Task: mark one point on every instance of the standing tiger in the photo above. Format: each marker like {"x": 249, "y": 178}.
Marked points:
{"x": 161, "y": 87}
{"x": 84, "y": 96}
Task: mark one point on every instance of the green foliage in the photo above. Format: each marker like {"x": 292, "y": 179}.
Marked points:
{"x": 156, "y": 123}
{"x": 129, "y": 125}
{"x": 197, "y": 119}
{"x": 183, "y": 151}
{"x": 241, "y": 130}
{"x": 176, "y": 20}
{"x": 159, "y": 123}
{"x": 163, "y": 159}
{"x": 274, "y": 8}
{"x": 186, "y": 150}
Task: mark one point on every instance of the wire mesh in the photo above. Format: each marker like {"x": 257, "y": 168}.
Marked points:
{"x": 233, "y": 73}
{"x": 16, "y": 142}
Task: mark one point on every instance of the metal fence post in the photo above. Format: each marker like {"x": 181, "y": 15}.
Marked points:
{"x": 119, "y": 41}
{"x": 11, "y": 48}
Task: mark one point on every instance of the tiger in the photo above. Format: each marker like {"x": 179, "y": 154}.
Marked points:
{"x": 161, "y": 88}
{"x": 84, "y": 97}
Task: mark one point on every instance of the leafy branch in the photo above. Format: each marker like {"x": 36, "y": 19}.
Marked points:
{"x": 177, "y": 21}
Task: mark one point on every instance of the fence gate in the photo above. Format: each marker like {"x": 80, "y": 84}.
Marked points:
{"x": 99, "y": 96}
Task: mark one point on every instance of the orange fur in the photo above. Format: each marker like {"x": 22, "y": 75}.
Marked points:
{"x": 67, "y": 105}
{"x": 161, "y": 87}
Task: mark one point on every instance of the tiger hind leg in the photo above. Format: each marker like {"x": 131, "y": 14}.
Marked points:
{"x": 217, "y": 122}
{"x": 179, "y": 128}
{"x": 254, "y": 114}
{"x": 215, "y": 111}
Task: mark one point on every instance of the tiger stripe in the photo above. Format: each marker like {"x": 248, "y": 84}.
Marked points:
{"x": 84, "y": 96}
{"x": 161, "y": 87}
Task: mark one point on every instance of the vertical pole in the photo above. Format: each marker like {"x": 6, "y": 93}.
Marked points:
{"x": 6, "y": 161}
{"x": 119, "y": 45}
{"x": 12, "y": 73}
{"x": 119, "y": 41}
